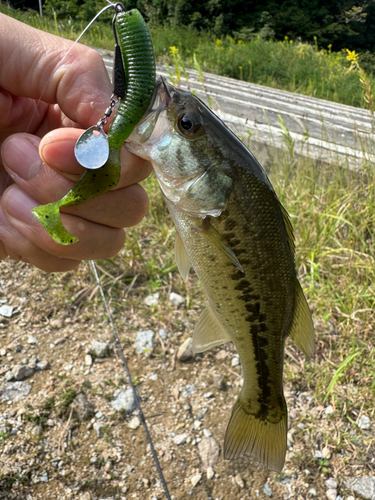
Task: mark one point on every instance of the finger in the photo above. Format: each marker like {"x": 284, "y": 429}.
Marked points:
{"x": 54, "y": 70}
{"x": 123, "y": 207}
{"x": 95, "y": 240}
{"x": 57, "y": 151}
{"x": 17, "y": 247}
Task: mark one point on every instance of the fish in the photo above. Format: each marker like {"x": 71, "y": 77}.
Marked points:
{"x": 233, "y": 230}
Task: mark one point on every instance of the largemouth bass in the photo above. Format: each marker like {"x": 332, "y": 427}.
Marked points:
{"x": 233, "y": 230}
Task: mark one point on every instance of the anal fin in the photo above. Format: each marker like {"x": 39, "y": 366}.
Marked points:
{"x": 302, "y": 331}
{"x": 209, "y": 332}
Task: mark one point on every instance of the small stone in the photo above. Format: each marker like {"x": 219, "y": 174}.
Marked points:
{"x": 153, "y": 377}
{"x": 331, "y": 483}
{"x": 32, "y": 340}
{"x": 208, "y": 395}
{"x": 331, "y": 494}
{"x": 163, "y": 334}
{"x": 9, "y": 375}
{"x": 144, "y": 342}
{"x": 134, "y": 423}
{"x": 3, "y": 352}
{"x": 235, "y": 361}
{"x": 82, "y": 409}
{"x": 239, "y": 481}
{"x": 44, "y": 478}
{"x": 363, "y": 486}
{"x": 25, "y": 361}
{"x": 88, "y": 360}
{"x": 220, "y": 383}
{"x": 209, "y": 451}
{"x": 267, "y": 490}
{"x": 197, "y": 425}
{"x": 125, "y": 401}
{"x": 350, "y": 497}
{"x": 59, "y": 341}
{"x": 21, "y": 372}
{"x": 189, "y": 389}
{"x": 99, "y": 349}
{"x": 68, "y": 368}
{"x": 221, "y": 355}
{"x": 327, "y": 454}
{"x": 85, "y": 496}
{"x": 329, "y": 410}
{"x": 180, "y": 439}
{"x": 99, "y": 429}
{"x": 318, "y": 454}
{"x": 185, "y": 351}
{"x": 14, "y": 391}
{"x": 6, "y": 311}
{"x": 312, "y": 492}
{"x": 364, "y": 422}
{"x": 290, "y": 439}
{"x": 152, "y": 300}
{"x": 207, "y": 433}
{"x": 210, "y": 473}
{"x": 42, "y": 365}
{"x": 176, "y": 299}
{"x": 195, "y": 479}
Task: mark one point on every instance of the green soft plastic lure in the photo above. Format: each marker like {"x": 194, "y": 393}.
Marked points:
{"x": 139, "y": 70}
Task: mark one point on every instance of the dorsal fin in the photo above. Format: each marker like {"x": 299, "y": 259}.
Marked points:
{"x": 288, "y": 227}
{"x": 302, "y": 331}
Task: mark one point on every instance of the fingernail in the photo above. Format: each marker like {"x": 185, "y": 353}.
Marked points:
{"x": 21, "y": 156}
{"x": 18, "y": 205}
{"x": 58, "y": 153}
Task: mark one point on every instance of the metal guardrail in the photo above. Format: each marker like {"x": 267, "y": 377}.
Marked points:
{"x": 320, "y": 129}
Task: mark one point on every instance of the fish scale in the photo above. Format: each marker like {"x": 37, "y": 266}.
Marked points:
{"x": 234, "y": 232}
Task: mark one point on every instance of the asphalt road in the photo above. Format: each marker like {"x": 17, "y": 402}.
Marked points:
{"x": 320, "y": 129}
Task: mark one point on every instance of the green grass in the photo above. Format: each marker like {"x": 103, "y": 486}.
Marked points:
{"x": 296, "y": 67}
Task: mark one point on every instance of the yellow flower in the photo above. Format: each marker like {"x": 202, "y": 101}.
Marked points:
{"x": 352, "y": 56}
{"x": 173, "y": 50}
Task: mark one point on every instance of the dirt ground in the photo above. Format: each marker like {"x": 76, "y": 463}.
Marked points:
{"x": 47, "y": 452}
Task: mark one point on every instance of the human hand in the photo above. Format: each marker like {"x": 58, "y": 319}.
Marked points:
{"x": 74, "y": 93}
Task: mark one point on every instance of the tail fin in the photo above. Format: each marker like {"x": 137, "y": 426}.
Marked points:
{"x": 49, "y": 216}
{"x": 263, "y": 440}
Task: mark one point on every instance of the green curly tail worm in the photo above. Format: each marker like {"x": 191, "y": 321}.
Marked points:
{"x": 139, "y": 67}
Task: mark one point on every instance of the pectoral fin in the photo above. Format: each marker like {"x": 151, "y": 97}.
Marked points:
{"x": 302, "y": 331}
{"x": 209, "y": 232}
{"x": 209, "y": 332}
{"x": 181, "y": 257}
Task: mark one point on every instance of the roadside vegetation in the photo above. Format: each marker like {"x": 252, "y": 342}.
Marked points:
{"x": 288, "y": 64}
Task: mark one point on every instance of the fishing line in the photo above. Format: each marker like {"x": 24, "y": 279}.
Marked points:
{"x": 135, "y": 392}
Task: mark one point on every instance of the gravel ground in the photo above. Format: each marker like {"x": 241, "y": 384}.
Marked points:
{"x": 68, "y": 427}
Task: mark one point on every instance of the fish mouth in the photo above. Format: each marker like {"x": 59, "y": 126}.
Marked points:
{"x": 163, "y": 95}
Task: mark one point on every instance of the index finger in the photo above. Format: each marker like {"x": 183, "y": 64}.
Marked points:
{"x": 52, "y": 69}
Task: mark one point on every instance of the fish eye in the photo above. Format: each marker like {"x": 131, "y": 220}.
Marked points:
{"x": 190, "y": 125}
